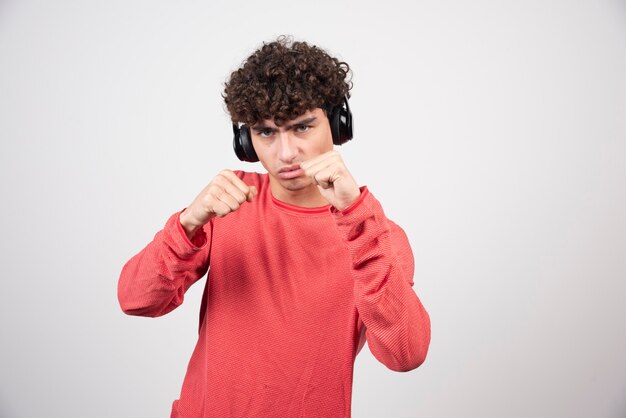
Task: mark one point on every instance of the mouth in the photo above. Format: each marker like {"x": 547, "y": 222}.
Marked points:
{"x": 290, "y": 172}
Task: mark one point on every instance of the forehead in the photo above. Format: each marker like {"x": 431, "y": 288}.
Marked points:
{"x": 271, "y": 123}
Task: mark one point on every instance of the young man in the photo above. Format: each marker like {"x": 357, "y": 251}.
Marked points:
{"x": 303, "y": 266}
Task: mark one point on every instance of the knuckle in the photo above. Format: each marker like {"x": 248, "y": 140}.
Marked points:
{"x": 212, "y": 195}
{"x": 221, "y": 211}
{"x": 207, "y": 199}
{"x": 222, "y": 177}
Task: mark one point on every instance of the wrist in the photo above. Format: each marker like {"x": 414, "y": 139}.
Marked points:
{"x": 363, "y": 192}
{"x": 349, "y": 201}
{"x": 189, "y": 226}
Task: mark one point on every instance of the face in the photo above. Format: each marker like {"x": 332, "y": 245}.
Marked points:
{"x": 282, "y": 149}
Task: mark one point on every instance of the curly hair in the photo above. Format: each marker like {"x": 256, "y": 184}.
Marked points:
{"x": 284, "y": 79}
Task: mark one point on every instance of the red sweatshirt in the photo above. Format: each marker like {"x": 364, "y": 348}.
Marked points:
{"x": 292, "y": 294}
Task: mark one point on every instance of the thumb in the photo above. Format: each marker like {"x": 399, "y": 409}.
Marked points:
{"x": 252, "y": 191}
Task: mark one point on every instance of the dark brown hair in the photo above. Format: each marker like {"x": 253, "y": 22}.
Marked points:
{"x": 282, "y": 80}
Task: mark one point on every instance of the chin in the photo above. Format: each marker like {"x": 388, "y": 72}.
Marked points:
{"x": 296, "y": 184}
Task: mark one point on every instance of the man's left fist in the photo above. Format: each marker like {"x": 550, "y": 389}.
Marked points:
{"x": 333, "y": 179}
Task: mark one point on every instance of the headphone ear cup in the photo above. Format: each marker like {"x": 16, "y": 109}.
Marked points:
{"x": 341, "y": 123}
{"x": 242, "y": 144}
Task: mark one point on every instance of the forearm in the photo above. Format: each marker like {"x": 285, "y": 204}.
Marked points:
{"x": 153, "y": 282}
{"x": 397, "y": 325}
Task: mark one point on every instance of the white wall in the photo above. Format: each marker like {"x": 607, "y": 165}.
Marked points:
{"x": 493, "y": 132}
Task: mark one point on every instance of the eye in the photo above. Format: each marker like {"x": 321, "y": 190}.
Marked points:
{"x": 265, "y": 132}
{"x": 302, "y": 128}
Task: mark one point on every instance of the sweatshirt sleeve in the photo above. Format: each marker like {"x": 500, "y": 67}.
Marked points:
{"x": 154, "y": 281}
{"x": 397, "y": 327}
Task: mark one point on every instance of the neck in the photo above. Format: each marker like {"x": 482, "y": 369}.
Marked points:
{"x": 308, "y": 196}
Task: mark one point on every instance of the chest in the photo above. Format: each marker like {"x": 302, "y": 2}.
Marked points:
{"x": 280, "y": 266}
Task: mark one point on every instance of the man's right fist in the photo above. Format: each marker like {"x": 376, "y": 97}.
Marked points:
{"x": 224, "y": 194}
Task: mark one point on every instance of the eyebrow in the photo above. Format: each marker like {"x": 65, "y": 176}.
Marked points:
{"x": 261, "y": 126}
{"x": 303, "y": 122}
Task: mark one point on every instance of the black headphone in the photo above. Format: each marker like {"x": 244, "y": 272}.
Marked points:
{"x": 339, "y": 118}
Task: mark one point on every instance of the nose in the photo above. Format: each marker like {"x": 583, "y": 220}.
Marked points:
{"x": 288, "y": 150}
